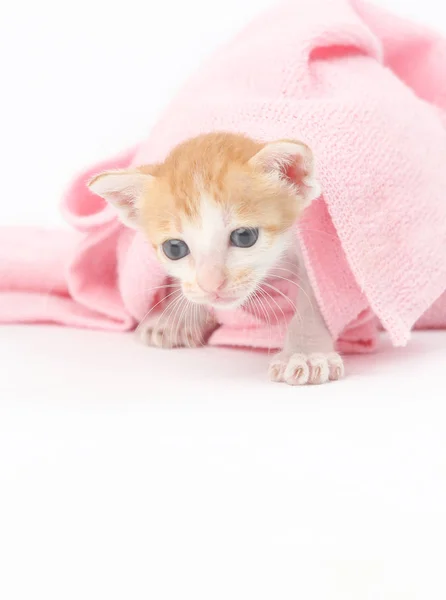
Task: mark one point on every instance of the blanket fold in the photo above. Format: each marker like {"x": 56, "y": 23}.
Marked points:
{"x": 366, "y": 91}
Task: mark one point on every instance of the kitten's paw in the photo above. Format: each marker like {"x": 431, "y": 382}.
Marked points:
{"x": 301, "y": 369}
{"x": 164, "y": 335}
{"x": 171, "y": 337}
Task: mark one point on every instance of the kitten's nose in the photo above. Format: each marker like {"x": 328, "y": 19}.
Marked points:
{"x": 211, "y": 278}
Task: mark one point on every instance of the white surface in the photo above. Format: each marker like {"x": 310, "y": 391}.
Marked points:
{"x": 129, "y": 473}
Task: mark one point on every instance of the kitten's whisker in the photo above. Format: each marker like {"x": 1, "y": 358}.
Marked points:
{"x": 306, "y": 230}
{"x": 187, "y": 316}
{"x": 272, "y": 287}
{"x": 299, "y": 287}
{"x": 194, "y": 322}
{"x": 252, "y": 306}
{"x": 187, "y": 320}
{"x": 183, "y": 315}
{"x": 189, "y": 325}
{"x": 248, "y": 306}
{"x": 267, "y": 299}
{"x": 294, "y": 306}
{"x": 275, "y": 317}
{"x": 190, "y": 318}
{"x": 179, "y": 311}
{"x": 153, "y": 307}
{"x": 284, "y": 320}
{"x": 265, "y": 312}
{"x": 169, "y": 311}
{"x": 158, "y": 287}
{"x": 208, "y": 330}
{"x": 200, "y": 333}
{"x": 295, "y": 273}
{"x": 170, "y": 307}
{"x": 293, "y": 263}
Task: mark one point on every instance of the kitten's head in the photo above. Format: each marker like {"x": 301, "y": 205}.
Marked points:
{"x": 218, "y": 211}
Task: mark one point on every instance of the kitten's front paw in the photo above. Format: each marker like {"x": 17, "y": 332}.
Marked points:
{"x": 301, "y": 369}
{"x": 164, "y": 334}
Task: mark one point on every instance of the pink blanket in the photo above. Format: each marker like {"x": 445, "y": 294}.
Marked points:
{"x": 367, "y": 91}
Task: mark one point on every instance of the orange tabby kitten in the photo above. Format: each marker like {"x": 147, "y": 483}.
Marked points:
{"x": 220, "y": 213}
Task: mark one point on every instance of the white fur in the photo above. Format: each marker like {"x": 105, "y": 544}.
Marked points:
{"x": 209, "y": 243}
{"x": 308, "y": 355}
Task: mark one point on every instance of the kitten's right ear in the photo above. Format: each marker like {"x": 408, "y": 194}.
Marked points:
{"x": 292, "y": 162}
{"x": 123, "y": 189}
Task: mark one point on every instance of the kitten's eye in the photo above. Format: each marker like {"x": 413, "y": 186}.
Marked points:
{"x": 175, "y": 249}
{"x": 244, "y": 237}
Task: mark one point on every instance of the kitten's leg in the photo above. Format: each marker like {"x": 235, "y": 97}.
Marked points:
{"x": 180, "y": 323}
{"x": 308, "y": 355}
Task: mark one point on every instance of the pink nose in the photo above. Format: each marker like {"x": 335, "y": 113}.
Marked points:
{"x": 211, "y": 279}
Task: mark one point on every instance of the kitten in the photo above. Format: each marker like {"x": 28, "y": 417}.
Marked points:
{"x": 220, "y": 212}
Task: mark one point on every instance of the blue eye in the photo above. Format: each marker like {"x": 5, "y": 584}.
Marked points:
{"x": 244, "y": 237}
{"x": 175, "y": 249}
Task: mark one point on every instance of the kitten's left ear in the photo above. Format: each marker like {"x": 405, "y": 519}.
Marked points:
{"x": 291, "y": 162}
{"x": 123, "y": 189}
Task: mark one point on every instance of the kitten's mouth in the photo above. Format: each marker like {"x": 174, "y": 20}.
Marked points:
{"x": 224, "y": 301}
{"x": 220, "y": 301}
{"x": 231, "y": 302}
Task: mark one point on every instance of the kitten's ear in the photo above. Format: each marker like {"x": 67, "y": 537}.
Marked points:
{"x": 123, "y": 190}
{"x": 291, "y": 162}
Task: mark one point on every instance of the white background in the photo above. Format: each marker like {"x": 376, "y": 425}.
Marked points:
{"x": 129, "y": 473}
